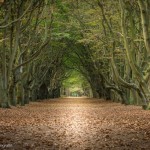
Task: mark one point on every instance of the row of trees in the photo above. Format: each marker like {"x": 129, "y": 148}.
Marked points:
{"x": 30, "y": 58}
{"x": 108, "y": 42}
{"x": 111, "y": 44}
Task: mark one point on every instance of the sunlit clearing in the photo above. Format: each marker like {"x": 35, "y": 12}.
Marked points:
{"x": 75, "y": 85}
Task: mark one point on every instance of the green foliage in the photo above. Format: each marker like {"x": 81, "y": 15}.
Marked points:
{"x": 81, "y": 44}
{"x": 75, "y": 81}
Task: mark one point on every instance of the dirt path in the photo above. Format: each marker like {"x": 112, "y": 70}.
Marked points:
{"x": 75, "y": 124}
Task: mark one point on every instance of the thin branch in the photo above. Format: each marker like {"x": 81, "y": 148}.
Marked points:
{"x": 36, "y": 54}
{"x": 5, "y": 26}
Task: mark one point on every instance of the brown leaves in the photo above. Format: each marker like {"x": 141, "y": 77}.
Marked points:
{"x": 75, "y": 124}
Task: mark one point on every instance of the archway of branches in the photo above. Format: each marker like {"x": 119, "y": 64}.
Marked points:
{"x": 47, "y": 47}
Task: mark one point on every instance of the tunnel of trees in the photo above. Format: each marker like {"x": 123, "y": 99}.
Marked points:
{"x": 106, "y": 42}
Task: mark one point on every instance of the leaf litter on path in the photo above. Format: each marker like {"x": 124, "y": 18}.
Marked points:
{"x": 75, "y": 124}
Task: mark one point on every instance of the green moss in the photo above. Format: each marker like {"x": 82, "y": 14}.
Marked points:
{"x": 146, "y": 107}
{"x": 5, "y": 105}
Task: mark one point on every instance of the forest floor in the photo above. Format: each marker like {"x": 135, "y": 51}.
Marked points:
{"x": 75, "y": 124}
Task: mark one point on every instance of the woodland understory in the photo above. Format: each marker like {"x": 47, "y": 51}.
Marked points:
{"x": 107, "y": 42}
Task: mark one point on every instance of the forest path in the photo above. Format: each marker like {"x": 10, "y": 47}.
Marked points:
{"x": 74, "y": 124}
